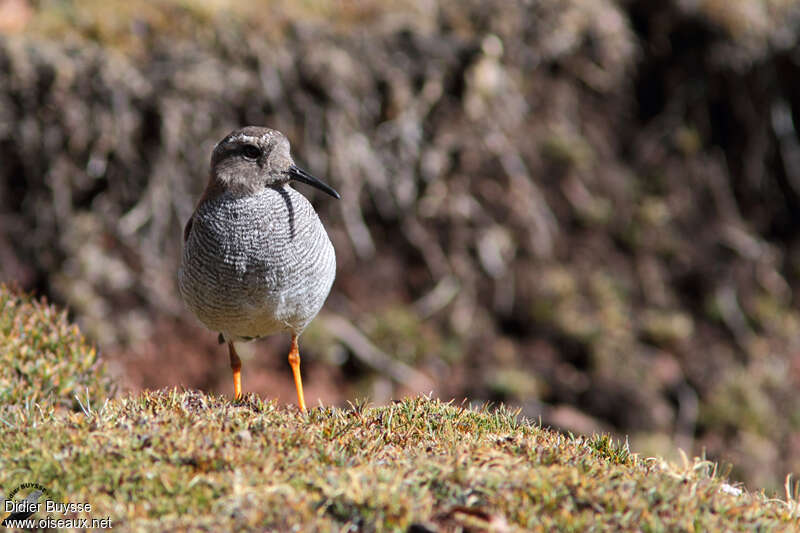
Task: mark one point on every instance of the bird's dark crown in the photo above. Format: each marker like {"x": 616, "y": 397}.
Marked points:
{"x": 251, "y": 158}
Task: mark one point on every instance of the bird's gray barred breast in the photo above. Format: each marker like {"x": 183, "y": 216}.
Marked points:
{"x": 258, "y": 264}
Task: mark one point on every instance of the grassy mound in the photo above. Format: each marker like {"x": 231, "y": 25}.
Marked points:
{"x": 185, "y": 460}
{"x": 43, "y": 358}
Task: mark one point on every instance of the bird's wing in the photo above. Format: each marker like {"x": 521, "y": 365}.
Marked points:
{"x": 188, "y": 228}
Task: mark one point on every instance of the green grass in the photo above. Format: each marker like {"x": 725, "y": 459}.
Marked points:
{"x": 44, "y": 358}
{"x": 186, "y": 460}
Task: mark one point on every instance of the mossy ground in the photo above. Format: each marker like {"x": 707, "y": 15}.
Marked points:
{"x": 44, "y": 358}
{"x": 184, "y": 460}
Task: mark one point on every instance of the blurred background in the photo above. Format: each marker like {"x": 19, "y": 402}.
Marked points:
{"x": 587, "y": 209}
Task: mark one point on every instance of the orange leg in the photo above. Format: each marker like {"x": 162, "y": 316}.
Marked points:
{"x": 294, "y": 361}
{"x": 236, "y": 366}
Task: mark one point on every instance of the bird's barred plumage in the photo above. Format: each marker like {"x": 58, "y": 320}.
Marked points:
{"x": 256, "y": 259}
{"x": 257, "y": 264}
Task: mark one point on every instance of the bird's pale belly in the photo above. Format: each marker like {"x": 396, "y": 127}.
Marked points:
{"x": 248, "y": 308}
{"x": 257, "y": 269}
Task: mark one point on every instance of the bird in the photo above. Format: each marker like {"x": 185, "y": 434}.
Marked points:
{"x": 256, "y": 258}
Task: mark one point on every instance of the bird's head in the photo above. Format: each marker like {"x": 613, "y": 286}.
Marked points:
{"x": 251, "y": 158}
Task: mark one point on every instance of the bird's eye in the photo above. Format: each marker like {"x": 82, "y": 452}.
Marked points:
{"x": 251, "y": 152}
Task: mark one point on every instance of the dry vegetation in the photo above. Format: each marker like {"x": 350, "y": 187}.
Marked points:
{"x": 587, "y": 209}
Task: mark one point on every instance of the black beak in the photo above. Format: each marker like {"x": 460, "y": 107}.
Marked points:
{"x": 297, "y": 173}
